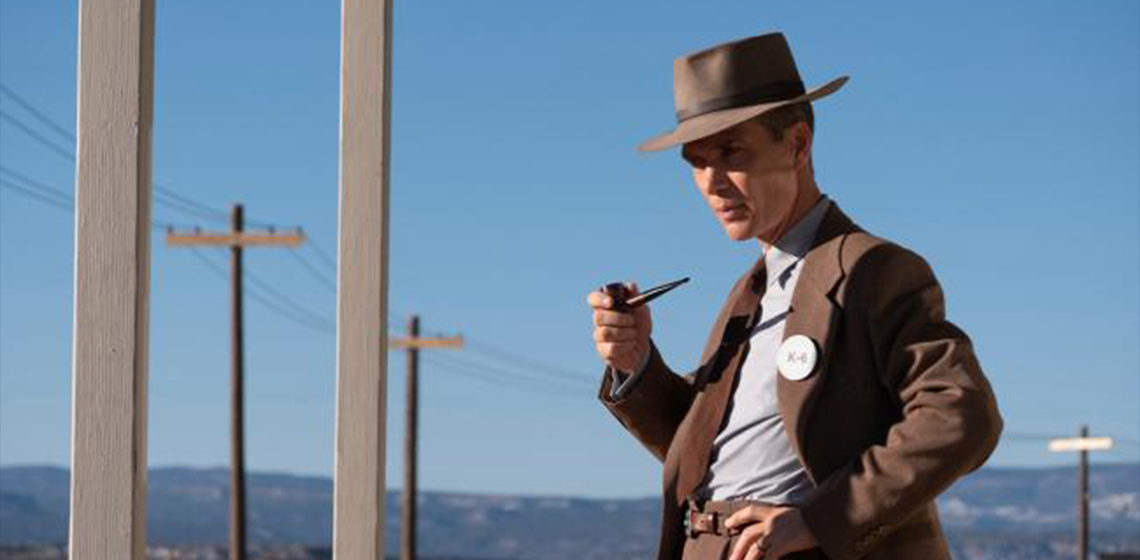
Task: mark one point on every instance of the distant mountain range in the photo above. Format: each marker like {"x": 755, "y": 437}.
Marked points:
{"x": 189, "y": 506}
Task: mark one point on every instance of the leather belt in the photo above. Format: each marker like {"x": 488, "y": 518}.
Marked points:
{"x": 708, "y": 517}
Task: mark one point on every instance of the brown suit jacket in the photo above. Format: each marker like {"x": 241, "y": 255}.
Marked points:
{"x": 896, "y": 410}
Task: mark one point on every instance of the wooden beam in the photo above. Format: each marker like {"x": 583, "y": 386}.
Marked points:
{"x": 1080, "y": 444}
{"x": 416, "y": 342}
{"x": 362, "y": 290}
{"x": 112, "y": 281}
{"x": 233, "y": 240}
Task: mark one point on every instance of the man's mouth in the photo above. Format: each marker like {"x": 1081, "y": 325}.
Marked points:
{"x": 731, "y": 212}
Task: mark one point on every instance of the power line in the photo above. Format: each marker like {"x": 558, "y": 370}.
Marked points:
{"x": 288, "y": 302}
{"x": 331, "y": 262}
{"x": 396, "y": 319}
{"x": 490, "y": 350}
{"x": 528, "y": 374}
{"x": 52, "y": 195}
{"x": 49, "y": 144}
{"x": 498, "y": 379}
{"x": 324, "y": 280}
{"x": 63, "y": 195}
{"x": 452, "y": 363}
{"x": 33, "y": 194}
{"x": 257, "y": 296}
{"x": 494, "y": 352}
{"x": 163, "y": 194}
{"x": 497, "y": 382}
{"x": 527, "y": 379}
{"x": 172, "y": 199}
{"x": 283, "y": 305}
{"x": 44, "y": 119}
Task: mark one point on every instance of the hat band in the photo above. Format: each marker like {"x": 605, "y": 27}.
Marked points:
{"x": 778, "y": 91}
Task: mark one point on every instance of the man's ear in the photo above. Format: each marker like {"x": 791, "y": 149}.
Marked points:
{"x": 801, "y": 137}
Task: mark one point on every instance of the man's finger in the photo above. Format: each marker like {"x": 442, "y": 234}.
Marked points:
{"x": 744, "y": 542}
{"x": 759, "y": 550}
{"x": 599, "y": 300}
{"x": 607, "y": 350}
{"x": 615, "y": 334}
{"x": 614, "y": 350}
{"x": 746, "y": 516}
{"x": 613, "y": 319}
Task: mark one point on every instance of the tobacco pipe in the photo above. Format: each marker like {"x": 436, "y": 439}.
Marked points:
{"x": 620, "y": 294}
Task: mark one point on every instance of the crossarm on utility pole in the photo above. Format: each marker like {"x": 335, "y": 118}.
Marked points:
{"x": 454, "y": 342}
{"x": 234, "y": 239}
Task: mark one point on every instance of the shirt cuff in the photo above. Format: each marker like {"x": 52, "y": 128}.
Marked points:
{"x": 622, "y": 382}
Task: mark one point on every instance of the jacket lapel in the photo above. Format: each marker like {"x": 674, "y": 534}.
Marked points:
{"x": 687, "y": 460}
{"x": 813, "y": 313}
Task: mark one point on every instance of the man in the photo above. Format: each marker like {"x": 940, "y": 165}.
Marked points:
{"x": 833, "y": 401}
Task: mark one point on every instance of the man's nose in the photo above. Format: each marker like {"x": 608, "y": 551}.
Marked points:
{"x": 716, "y": 179}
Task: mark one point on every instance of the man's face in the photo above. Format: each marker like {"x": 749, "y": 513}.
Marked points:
{"x": 748, "y": 179}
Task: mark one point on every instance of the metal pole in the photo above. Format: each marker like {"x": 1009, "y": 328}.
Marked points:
{"x": 1083, "y": 501}
{"x": 237, "y": 412}
{"x": 408, "y": 509}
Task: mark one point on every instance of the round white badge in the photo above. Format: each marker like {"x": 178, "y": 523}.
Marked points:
{"x": 797, "y": 357}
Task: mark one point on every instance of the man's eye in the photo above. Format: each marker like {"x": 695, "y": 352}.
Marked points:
{"x": 731, "y": 153}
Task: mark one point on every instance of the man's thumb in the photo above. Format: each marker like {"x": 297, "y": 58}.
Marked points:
{"x": 633, "y": 289}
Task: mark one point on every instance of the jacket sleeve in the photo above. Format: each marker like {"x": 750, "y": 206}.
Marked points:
{"x": 948, "y": 420}
{"x": 653, "y": 407}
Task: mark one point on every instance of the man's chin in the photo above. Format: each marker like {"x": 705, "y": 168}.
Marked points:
{"x": 738, "y": 233}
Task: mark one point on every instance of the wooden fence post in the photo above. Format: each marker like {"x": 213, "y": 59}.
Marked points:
{"x": 112, "y": 280}
{"x": 362, "y": 279}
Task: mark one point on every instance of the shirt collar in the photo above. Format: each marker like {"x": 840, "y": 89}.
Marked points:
{"x": 795, "y": 243}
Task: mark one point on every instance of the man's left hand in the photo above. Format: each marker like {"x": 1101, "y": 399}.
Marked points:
{"x": 768, "y": 532}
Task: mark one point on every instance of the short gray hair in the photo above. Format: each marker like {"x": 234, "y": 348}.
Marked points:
{"x": 778, "y": 120}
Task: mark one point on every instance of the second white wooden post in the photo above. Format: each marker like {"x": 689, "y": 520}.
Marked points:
{"x": 362, "y": 279}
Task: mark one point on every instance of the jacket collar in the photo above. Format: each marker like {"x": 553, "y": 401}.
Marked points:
{"x": 793, "y": 245}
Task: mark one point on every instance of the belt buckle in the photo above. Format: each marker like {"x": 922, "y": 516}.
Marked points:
{"x": 695, "y": 523}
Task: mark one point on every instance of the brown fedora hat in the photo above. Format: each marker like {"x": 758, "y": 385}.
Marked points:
{"x": 725, "y": 85}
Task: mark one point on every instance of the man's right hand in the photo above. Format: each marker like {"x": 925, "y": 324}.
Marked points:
{"x": 621, "y": 337}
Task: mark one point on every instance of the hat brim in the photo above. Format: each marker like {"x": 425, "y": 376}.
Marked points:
{"x": 711, "y": 123}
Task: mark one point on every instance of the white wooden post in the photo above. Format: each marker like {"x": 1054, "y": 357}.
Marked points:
{"x": 362, "y": 279}
{"x": 112, "y": 280}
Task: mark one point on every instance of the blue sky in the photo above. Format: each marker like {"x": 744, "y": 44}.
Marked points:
{"x": 1001, "y": 140}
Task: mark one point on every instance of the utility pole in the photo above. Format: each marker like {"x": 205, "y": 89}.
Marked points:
{"x": 1083, "y": 444}
{"x": 236, "y": 240}
{"x": 411, "y": 427}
